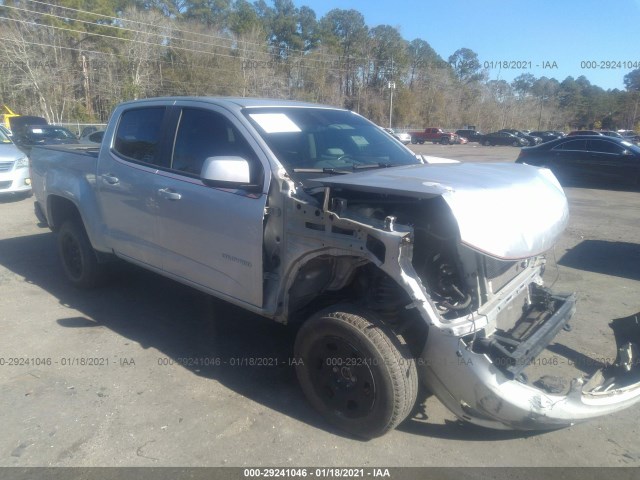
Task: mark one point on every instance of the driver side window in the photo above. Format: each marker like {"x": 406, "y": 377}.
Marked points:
{"x": 202, "y": 134}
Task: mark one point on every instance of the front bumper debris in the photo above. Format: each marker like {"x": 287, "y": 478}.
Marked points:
{"x": 480, "y": 382}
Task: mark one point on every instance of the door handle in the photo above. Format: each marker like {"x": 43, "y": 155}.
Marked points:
{"x": 110, "y": 179}
{"x": 169, "y": 194}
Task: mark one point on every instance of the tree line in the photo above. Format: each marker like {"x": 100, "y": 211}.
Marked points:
{"x": 73, "y": 60}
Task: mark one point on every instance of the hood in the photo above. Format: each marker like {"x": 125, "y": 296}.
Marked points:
{"x": 9, "y": 152}
{"x": 505, "y": 210}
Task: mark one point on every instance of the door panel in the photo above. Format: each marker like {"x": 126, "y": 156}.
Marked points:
{"x": 568, "y": 159}
{"x": 129, "y": 209}
{"x": 126, "y": 182}
{"x": 607, "y": 161}
{"x": 211, "y": 236}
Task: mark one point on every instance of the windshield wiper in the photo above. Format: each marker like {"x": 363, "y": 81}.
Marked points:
{"x": 335, "y": 171}
{"x": 372, "y": 165}
{"x": 321, "y": 170}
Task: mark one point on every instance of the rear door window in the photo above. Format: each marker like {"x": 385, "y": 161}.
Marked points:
{"x": 139, "y": 136}
{"x": 602, "y": 146}
{"x": 575, "y": 145}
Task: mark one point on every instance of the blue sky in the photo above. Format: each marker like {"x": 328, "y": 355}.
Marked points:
{"x": 567, "y": 32}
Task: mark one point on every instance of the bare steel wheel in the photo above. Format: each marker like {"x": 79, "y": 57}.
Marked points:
{"x": 77, "y": 255}
{"x": 355, "y": 371}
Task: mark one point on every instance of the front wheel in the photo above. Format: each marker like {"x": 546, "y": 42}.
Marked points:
{"x": 78, "y": 257}
{"x": 355, "y": 371}
{"x": 444, "y": 141}
{"x": 486, "y": 143}
{"x": 515, "y": 143}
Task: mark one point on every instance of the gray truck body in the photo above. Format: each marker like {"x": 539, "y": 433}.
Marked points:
{"x": 454, "y": 250}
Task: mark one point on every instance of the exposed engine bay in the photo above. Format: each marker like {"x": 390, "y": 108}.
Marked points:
{"x": 509, "y": 316}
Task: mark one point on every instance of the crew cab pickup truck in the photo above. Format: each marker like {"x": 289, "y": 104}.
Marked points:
{"x": 395, "y": 271}
{"x": 435, "y": 135}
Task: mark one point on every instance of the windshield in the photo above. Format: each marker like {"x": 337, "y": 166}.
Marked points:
{"x": 313, "y": 141}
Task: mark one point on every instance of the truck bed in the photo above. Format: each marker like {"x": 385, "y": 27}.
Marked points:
{"x": 66, "y": 170}
{"x": 57, "y": 151}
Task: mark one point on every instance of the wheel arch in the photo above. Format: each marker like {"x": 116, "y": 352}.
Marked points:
{"x": 60, "y": 210}
{"x": 324, "y": 280}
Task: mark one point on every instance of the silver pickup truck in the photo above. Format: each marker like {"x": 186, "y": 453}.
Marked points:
{"x": 395, "y": 271}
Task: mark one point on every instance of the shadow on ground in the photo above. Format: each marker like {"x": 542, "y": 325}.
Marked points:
{"x": 619, "y": 259}
{"x": 187, "y": 326}
{"x": 600, "y": 183}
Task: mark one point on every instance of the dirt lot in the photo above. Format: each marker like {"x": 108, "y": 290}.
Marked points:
{"x": 126, "y": 375}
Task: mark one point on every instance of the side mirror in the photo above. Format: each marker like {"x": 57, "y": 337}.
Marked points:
{"x": 227, "y": 172}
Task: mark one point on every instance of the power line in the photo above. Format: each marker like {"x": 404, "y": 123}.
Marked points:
{"x": 334, "y": 58}
{"x": 121, "y": 76}
{"x": 167, "y": 46}
{"x": 246, "y": 62}
{"x": 252, "y": 63}
{"x": 206, "y": 35}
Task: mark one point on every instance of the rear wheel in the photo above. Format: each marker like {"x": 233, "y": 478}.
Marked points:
{"x": 486, "y": 143}
{"x": 78, "y": 257}
{"x": 355, "y": 371}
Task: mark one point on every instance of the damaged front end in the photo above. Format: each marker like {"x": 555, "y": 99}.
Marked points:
{"x": 480, "y": 379}
{"x": 470, "y": 262}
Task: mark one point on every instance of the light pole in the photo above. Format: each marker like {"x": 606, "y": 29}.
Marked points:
{"x": 392, "y": 87}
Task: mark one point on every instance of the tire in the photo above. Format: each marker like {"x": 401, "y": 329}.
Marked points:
{"x": 414, "y": 140}
{"x": 444, "y": 141}
{"x": 421, "y": 142}
{"x": 515, "y": 144}
{"x": 486, "y": 143}
{"x": 78, "y": 257}
{"x": 355, "y": 371}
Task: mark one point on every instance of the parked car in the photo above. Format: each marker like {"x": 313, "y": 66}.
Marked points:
{"x": 470, "y": 135}
{"x": 19, "y": 122}
{"x": 433, "y": 135}
{"x": 587, "y": 157}
{"x": 611, "y": 133}
{"x": 404, "y": 137}
{"x": 546, "y": 136}
{"x": 584, "y": 132}
{"x": 392, "y": 271}
{"x": 14, "y": 168}
{"x": 88, "y": 130}
{"x": 630, "y": 135}
{"x": 503, "y": 138}
{"x": 31, "y": 135}
{"x": 93, "y": 138}
{"x": 6, "y": 131}
{"x": 531, "y": 139}
{"x": 559, "y": 133}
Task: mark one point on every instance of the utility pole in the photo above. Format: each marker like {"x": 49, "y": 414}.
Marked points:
{"x": 392, "y": 87}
